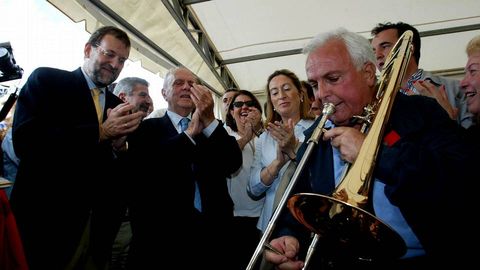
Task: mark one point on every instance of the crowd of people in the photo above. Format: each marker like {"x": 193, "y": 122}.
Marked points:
{"x": 100, "y": 177}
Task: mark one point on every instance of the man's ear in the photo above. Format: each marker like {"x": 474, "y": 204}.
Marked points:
{"x": 122, "y": 96}
{"x": 412, "y": 51}
{"x": 87, "y": 50}
{"x": 369, "y": 71}
{"x": 164, "y": 94}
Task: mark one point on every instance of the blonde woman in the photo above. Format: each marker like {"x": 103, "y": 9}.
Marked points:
{"x": 287, "y": 118}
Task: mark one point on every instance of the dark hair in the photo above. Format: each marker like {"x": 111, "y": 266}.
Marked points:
{"x": 229, "y": 121}
{"x": 272, "y": 115}
{"x": 98, "y": 35}
{"x": 401, "y": 28}
{"x": 230, "y": 90}
{"x": 309, "y": 90}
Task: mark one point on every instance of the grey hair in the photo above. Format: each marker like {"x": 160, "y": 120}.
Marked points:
{"x": 170, "y": 78}
{"x": 473, "y": 46}
{"x": 127, "y": 84}
{"x": 358, "y": 46}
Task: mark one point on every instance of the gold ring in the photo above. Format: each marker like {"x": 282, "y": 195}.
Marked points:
{"x": 125, "y": 125}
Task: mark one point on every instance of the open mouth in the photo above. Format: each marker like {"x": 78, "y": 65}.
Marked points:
{"x": 470, "y": 94}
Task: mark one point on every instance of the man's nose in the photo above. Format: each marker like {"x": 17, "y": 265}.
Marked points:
{"x": 464, "y": 82}
{"x": 321, "y": 92}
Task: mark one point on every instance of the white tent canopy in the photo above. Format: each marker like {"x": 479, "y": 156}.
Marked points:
{"x": 230, "y": 43}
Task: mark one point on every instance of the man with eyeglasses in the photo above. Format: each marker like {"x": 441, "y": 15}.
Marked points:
{"x": 188, "y": 153}
{"x": 67, "y": 132}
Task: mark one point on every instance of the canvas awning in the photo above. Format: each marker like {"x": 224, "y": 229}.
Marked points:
{"x": 239, "y": 43}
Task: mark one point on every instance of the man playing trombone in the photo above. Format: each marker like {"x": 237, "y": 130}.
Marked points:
{"x": 419, "y": 156}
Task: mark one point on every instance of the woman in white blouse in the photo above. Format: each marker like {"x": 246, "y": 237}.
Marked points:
{"x": 287, "y": 118}
{"x": 244, "y": 122}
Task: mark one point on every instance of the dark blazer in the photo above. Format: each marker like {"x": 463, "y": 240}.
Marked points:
{"x": 420, "y": 169}
{"x": 65, "y": 174}
{"x": 163, "y": 191}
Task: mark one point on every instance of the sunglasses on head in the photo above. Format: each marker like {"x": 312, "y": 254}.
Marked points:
{"x": 239, "y": 104}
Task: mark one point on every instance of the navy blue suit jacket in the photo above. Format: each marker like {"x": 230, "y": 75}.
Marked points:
{"x": 163, "y": 194}
{"x": 65, "y": 174}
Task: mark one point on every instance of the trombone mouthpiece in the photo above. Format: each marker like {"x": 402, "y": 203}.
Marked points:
{"x": 328, "y": 109}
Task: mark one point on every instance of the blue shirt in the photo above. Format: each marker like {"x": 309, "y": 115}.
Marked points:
{"x": 384, "y": 210}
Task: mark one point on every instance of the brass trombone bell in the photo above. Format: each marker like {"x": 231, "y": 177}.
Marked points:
{"x": 352, "y": 229}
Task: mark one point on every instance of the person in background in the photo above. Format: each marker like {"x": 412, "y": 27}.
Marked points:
{"x": 418, "y": 81}
{"x": 226, "y": 100}
{"x": 244, "y": 122}
{"x": 308, "y": 94}
{"x": 315, "y": 104}
{"x": 316, "y": 107}
{"x": 419, "y": 162}
{"x": 10, "y": 160}
{"x": 471, "y": 87}
{"x": 287, "y": 118}
{"x": 198, "y": 154}
{"x": 134, "y": 91}
{"x": 67, "y": 129}
{"x": 308, "y": 90}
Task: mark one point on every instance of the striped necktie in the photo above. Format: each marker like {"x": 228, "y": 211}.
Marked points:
{"x": 98, "y": 106}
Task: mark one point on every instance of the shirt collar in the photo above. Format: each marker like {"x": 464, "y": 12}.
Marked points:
{"x": 304, "y": 123}
{"x": 415, "y": 77}
{"x": 175, "y": 118}
{"x": 90, "y": 83}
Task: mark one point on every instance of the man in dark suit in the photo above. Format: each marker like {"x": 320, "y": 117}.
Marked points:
{"x": 421, "y": 158}
{"x": 197, "y": 159}
{"x": 64, "y": 197}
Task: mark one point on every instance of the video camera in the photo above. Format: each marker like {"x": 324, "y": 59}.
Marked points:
{"x": 9, "y": 70}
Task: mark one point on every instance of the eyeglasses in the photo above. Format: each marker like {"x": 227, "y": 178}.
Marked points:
{"x": 239, "y": 104}
{"x": 110, "y": 54}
